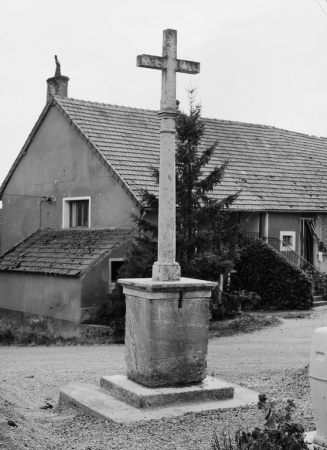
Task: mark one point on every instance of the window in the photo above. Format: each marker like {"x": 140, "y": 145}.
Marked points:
{"x": 76, "y": 212}
{"x": 79, "y": 213}
{"x": 287, "y": 240}
{"x": 114, "y": 265}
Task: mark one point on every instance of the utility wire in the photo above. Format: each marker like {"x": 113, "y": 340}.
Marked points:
{"x": 61, "y": 181}
{"x": 22, "y": 195}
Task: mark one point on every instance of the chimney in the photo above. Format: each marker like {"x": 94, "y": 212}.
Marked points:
{"x": 57, "y": 85}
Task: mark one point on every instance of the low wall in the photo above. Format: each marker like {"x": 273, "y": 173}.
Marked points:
{"x": 33, "y": 322}
{"x": 44, "y": 295}
{"x": 16, "y": 320}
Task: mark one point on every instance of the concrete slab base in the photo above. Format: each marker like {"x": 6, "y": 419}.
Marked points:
{"x": 309, "y": 437}
{"x": 100, "y": 403}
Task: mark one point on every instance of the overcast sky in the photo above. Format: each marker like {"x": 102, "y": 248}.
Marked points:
{"x": 262, "y": 61}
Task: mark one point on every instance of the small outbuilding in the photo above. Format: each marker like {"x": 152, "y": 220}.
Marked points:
{"x": 63, "y": 274}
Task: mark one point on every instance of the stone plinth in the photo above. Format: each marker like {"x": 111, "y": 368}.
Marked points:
{"x": 210, "y": 389}
{"x": 166, "y": 330}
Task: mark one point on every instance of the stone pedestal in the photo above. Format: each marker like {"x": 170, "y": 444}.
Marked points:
{"x": 134, "y": 394}
{"x": 166, "y": 331}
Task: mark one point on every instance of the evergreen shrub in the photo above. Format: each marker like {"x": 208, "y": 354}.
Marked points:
{"x": 280, "y": 284}
{"x": 205, "y": 246}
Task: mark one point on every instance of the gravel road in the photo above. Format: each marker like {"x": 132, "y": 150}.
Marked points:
{"x": 272, "y": 360}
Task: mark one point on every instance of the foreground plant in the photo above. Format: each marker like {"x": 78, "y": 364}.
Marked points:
{"x": 279, "y": 433}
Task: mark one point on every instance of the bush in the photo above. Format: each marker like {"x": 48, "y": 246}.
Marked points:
{"x": 280, "y": 284}
{"x": 230, "y": 302}
{"x": 112, "y": 311}
{"x": 279, "y": 432}
{"x": 242, "y": 300}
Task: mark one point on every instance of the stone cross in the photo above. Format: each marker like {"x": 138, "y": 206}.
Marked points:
{"x": 166, "y": 268}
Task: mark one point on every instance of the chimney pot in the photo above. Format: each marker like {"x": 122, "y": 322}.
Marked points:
{"x": 57, "y": 85}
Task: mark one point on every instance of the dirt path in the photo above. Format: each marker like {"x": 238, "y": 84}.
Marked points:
{"x": 30, "y": 376}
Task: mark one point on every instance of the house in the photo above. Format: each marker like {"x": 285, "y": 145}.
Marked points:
{"x": 84, "y": 164}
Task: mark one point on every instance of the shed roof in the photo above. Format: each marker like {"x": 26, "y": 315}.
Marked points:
{"x": 277, "y": 170}
{"x": 66, "y": 252}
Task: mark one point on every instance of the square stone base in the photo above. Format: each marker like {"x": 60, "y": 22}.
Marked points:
{"x": 143, "y": 397}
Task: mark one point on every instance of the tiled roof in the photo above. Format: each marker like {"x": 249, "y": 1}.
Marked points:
{"x": 127, "y": 138}
{"x": 65, "y": 252}
{"x": 276, "y": 169}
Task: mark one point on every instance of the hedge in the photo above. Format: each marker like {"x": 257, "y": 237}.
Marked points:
{"x": 281, "y": 284}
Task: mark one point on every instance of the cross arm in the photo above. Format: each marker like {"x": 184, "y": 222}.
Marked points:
{"x": 150, "y": 62}
{"x": 160, "y": 63}
{"x": 190, "y": 67}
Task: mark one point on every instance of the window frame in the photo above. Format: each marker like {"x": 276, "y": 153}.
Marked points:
{"x": 66, "y": 210}
{"x": 282, "y": 234}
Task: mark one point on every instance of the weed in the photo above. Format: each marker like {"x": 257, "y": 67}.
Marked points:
{"x": 279, "y": 432}
{"x": 6, "y": 336}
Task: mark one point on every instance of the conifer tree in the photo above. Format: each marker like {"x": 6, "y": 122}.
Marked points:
{"x": 205, "y": 248}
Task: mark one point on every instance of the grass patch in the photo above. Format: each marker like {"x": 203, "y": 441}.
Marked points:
{"x": 30, "y": 338}
{"x": 244, "y": 323}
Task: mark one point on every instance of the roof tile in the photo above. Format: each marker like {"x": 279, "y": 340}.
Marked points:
{"x": 277, "y": 169}
{"x": 62, "y": 252}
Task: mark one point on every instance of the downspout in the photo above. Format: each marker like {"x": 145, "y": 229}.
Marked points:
{"x": 48, "y": 200}
{"x": 43, "y": 200}
{"x": 266, "y": 233}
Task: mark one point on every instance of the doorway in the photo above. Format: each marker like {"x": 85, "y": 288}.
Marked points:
{"x": 308, "y": 234}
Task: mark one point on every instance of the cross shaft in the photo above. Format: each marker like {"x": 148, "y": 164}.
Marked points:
{"x": 166, "y": 268}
